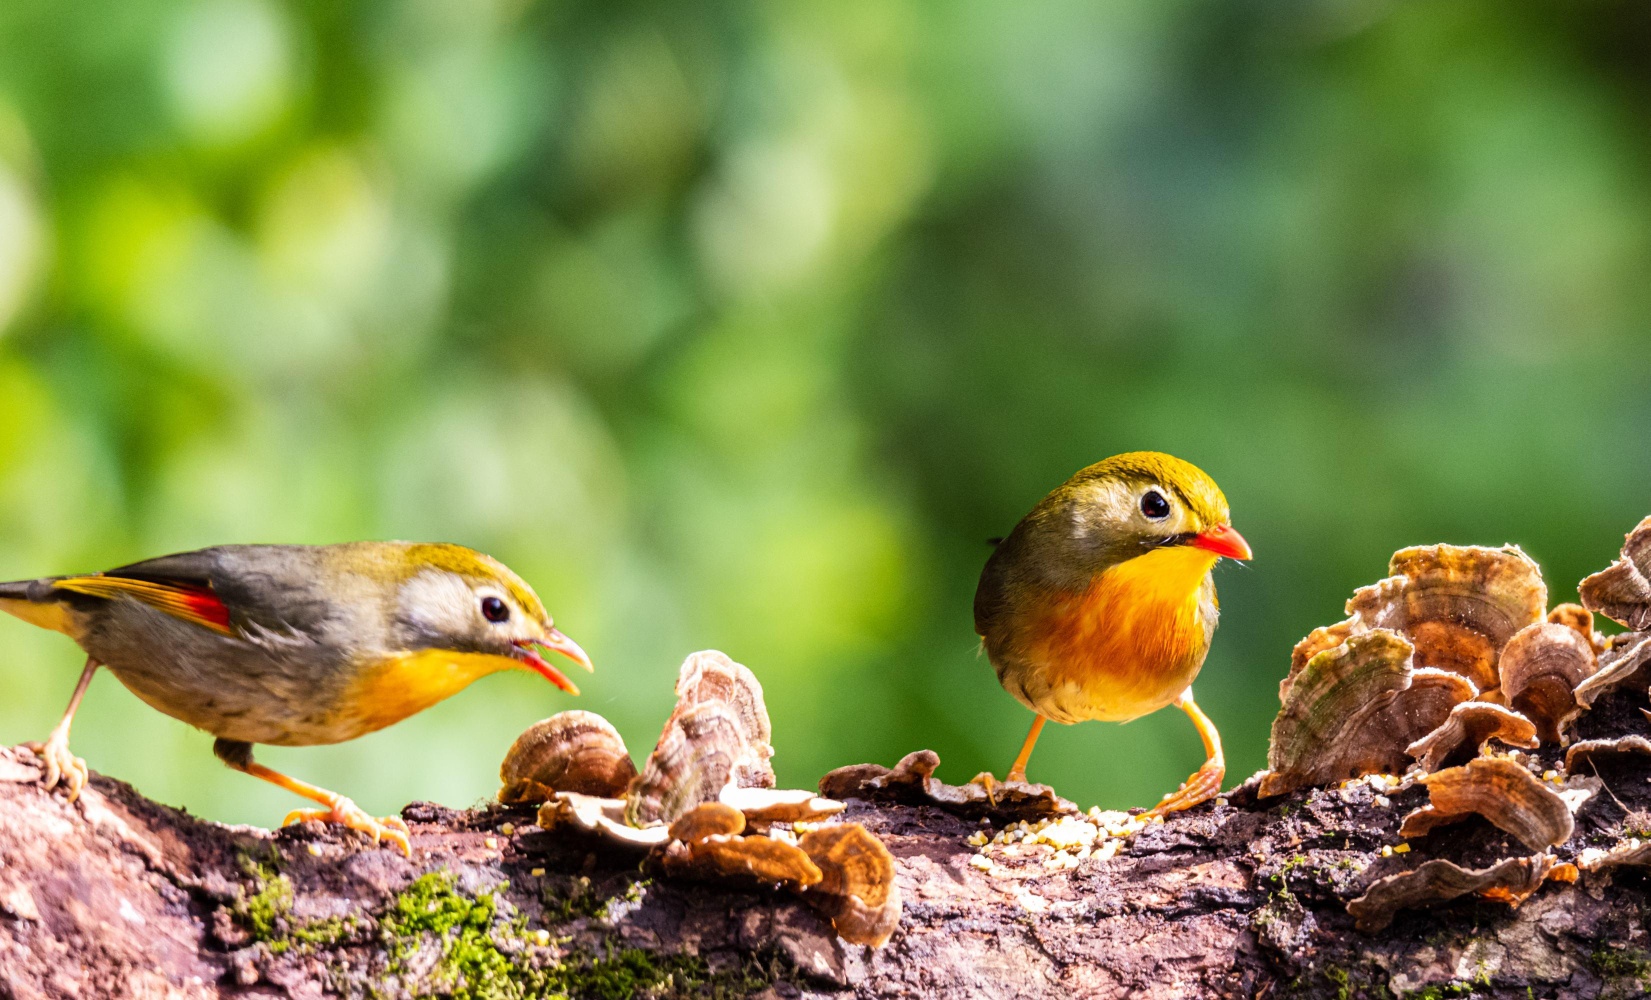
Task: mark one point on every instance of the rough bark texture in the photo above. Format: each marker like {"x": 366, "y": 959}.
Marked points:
{"x": 118, "y": 896}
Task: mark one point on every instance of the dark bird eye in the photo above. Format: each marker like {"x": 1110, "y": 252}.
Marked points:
{"x": 1154, "y": 505}
{"x": 495, "y": 610}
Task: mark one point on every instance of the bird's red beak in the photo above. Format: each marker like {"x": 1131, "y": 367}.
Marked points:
{"x": 555, "y": 642}
{"x": 1223, "y": 541}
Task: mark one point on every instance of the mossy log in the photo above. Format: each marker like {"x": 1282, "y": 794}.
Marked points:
{"x": 117, "y": 896}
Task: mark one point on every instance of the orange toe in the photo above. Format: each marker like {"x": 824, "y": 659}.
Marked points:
{"x": 347, "y": 814}
{"x": 1205, "y": 784}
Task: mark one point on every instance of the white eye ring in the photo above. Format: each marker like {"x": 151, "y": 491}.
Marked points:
{"x": 1154, "y": 506}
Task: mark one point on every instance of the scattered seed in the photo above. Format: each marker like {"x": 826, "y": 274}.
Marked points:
{"x": 537, "y": 873}
{"x": 491, "y": 843}
{"x": 981, "y": 861}
{"x": 509, "y": 829}
{"x": 315, "y": 850}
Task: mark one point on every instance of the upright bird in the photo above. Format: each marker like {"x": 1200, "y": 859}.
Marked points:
{"x": 293, "y": 645}
{"x": 1100, "y": 603}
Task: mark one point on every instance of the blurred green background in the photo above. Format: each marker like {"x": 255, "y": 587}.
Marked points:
{"x": 745, "y": 325}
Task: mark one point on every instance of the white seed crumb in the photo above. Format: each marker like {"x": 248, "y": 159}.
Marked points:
{"x": 1221, "y": 801}
{"x": 509, "y": 829}
{"x": 541, "y": 937}
{"x": 977, "y": 839}
{"x": 1387, "y": 850}
{"x": 491, "y": 843}
{"x": 315, "y": 850}
{"x": 1550, "y": 775}
{"x": 981, "y": 861}
{"x": 1384, "y": 802}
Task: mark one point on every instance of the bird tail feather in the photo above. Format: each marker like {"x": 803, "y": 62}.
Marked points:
{"x": 38, "y": 603}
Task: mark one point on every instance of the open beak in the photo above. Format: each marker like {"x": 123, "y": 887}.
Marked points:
{"x": 1223, "y": 541}
{"x": 555, "y": 642}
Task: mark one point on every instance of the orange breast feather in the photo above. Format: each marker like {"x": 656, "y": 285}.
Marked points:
{"x": 1129, "y": 644}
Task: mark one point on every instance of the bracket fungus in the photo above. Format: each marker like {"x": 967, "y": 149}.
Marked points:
{"x": 1580, "y": 618}
{"x": 1457, "y": 604}
{"x": 1500, "y": 790}
{"x": 1631, "y": 853}
{"x": 1511, "y": 881}
{"x": 842, "y": 869}
{"x": 1354, "y": 709}
{"x": 704, "y": 804}
{"x": 1468, "y": 728}
{"x": 912, "y": 781}
{"x": 572, "y": 751}
{"x": 1540, "y": 669}
{"x": 602, "y": 817}
{"x": 1623, "y": 663}
{"x": 762, "y": 806}
{"x": 857, "y": 889}
{"x": 714, "y": 844}
{"x": 1587, "y": 750}
{"x": 709, "y": 677}
{"x": 1353, "y": 705}
{"x": 717, "y": 736}
{"x": 1622, "y": 590}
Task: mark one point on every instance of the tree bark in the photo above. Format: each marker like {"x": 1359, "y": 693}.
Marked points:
{"x": 115, "y": 895}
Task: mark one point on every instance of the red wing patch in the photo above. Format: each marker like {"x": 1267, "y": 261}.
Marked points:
{"x": 192, "y": 604}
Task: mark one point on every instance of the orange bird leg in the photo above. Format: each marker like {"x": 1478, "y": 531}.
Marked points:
{"x": 339, "y": 809}
{"x": 1205, "y": 783}
{"x": 1017, "y": 770}
{"x": 60, "y": 763}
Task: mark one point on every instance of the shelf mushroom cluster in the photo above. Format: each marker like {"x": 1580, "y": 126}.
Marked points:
{"x": 704, "y": 803}
{"x": 1452, "y": 655}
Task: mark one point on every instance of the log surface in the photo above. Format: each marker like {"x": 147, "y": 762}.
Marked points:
{"x": 117, "y": 896}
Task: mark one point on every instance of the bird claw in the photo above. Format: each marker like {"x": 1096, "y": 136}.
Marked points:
{"x": 989, "y": 784}
{"x": 60, "y": 764}
{"x": 346, "y": 813}
{"x": 1205, "y": 784}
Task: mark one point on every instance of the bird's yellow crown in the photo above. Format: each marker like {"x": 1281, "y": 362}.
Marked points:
{"x": 468, "y": 562}
{"x": 1195, "y": 488}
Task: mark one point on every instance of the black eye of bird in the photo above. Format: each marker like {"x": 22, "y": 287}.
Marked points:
{"x": 495, "y": 610}
{"x": 1154, "y": 505}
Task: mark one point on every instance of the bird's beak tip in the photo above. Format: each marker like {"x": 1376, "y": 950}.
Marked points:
{"x": 1223, "y": 540}
{"x": 556, "y": 642}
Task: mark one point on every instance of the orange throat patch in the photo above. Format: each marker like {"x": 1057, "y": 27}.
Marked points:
{"x": 1129, "y": 644}
{"x": 408, "y": 683}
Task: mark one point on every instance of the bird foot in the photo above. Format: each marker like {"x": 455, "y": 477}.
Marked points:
{"x": 989, "y": 784}
{"x": 61, "y": 765}
{"x": 1205, "y": 784}
{"x": 346, "y": 813}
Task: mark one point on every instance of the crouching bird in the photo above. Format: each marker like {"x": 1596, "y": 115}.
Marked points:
{"x": 1100, "y": 603}
{"x": 293, "y": 645}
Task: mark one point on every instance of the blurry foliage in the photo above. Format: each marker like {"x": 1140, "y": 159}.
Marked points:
{"x": 744, "y": 326}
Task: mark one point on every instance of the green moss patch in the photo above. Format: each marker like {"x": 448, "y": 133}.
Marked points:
{"x": 481, "y": 952}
